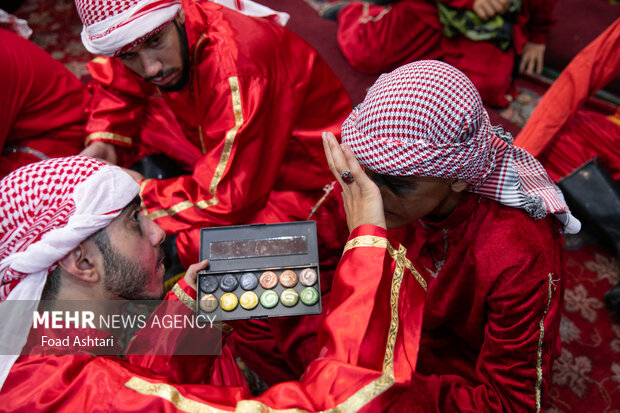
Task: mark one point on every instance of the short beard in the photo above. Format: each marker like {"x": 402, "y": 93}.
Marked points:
{"x": 184, "y": 78}
{"x": 123, "y": 277}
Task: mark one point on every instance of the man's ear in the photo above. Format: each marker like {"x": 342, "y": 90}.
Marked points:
{"x": 458, "y": 185}
{"x": 181, "y": 17}
{"x": 81, "y": 263}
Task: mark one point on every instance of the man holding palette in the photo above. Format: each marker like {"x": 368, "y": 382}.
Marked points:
{"x": 63, "y": 218}
{"x": 238, "y": 102}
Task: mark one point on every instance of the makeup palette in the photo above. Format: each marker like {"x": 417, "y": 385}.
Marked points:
{"x": 260, "y": 271}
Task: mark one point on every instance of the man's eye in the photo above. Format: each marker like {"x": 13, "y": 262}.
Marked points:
{"x": 127, "y": 56}
{"x": 400, "y": 184}
{"x": 154, "y": 41}
{"x": 136, "y": 216}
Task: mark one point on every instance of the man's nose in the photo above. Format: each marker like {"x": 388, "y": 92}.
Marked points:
{"x": 151, "y": 65}
{"x": 156, "y": 234}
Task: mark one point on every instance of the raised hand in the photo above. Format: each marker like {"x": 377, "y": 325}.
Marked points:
{"x": 532, "y": 58}
{"x": 486, "y": 9}
{"x": 361, "y": 196}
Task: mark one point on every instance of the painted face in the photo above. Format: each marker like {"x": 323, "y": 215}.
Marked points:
{"x": 409, "y": 198}
{"x": 133, "y": 258}
{"x": 162, "y": 59}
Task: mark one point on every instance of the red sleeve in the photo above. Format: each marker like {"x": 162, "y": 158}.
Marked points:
{"x": 357, "y": 339}
{"x": 117, "y": 106}
{"x": 246, "y": 138}
{"x": 589, "y": 71}
{"x": 513, "y": 368}
{"x": 371, "y": 262}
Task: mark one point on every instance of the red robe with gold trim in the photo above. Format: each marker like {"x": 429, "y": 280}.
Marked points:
{"x": 42, "y": 105}
{"x": 251, "y": 119}
{"x": 492, "y": 311}
{"x": 361, "y": 365}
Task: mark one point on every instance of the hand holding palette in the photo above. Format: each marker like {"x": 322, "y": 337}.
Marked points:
{"x": 259, "y": 271}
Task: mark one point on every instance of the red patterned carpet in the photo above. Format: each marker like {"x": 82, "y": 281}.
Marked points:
{"x": 586, "y": 378}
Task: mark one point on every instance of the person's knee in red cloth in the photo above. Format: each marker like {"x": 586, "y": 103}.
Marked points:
{"x": 377, "y": 38}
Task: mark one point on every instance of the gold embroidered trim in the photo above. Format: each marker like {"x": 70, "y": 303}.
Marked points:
{"x": 142, "y": 205}
{"x": 354, "y": 403}
{"x": 539, "y": 372}
{"x": 366, "y": 17}
{"x": 100, "y": 60}
{"x": 184, "y": 297}
{"x": 327, "y": 189}
{"x": 198, "y": 44}
{"x": 171, "y": 282}
{"x": 109, "y": 136}
{"x": 380, "y": 242}
{"x": 221, "y": 166}
{"x": 230, "y": 135}
{"x": 615, "y": 117}
{"x": 167, "y": 392}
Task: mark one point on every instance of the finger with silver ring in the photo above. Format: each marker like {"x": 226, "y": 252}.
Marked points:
{"x": 336, "y": 159}
{"x": 346, "y": 177}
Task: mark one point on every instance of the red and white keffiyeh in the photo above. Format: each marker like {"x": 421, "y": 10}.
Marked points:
{"x": 427, "y": 119}
{"x": 111, "y": 27}
{"x": 46, "y": 210}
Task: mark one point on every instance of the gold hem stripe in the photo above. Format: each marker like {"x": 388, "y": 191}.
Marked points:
{"x": 381, "y": 242}
{"x": 109, "y": 136}
{"x": 615, "y": 119}
{"x": 539, "y": 372}
{"x": 100, "y": 60}
{"x": 198, "y": 44}
{"x": 221, "y": 166}
{"x": 354, "y": 403}
{"x": 171, "y": 282}
{"x": 184, "y": 297}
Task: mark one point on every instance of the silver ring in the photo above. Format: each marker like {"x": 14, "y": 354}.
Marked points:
{"x": 347, "y": 178}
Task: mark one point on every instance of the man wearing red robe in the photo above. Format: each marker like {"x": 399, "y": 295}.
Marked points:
{"x": 239, "y": 103}
{"x": 470, "y": 210}
{"x": 90, "y": 214}
{"x": 43, "y": 105}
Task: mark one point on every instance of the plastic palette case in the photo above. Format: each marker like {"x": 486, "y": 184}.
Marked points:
{"x": 260, "y": 271}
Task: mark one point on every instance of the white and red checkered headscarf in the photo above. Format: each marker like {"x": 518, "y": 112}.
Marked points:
{"x": 427, "y": 119}
{"x": 114, "y": 26}
{"x": 111, "y": 27}
{"x": 46, "y": 210}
